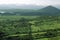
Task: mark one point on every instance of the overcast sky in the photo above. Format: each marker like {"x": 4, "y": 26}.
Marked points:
{"x": 33, "y": 2}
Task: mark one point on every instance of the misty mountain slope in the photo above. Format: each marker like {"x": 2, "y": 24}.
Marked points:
{"x": 49, "y": 10}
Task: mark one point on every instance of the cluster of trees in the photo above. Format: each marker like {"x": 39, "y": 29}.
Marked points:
{"x": 23, "y": 26}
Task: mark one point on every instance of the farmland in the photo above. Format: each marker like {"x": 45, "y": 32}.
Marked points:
{"x": 29, "y": 27}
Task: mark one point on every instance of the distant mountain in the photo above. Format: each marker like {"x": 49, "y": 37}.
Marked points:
{"x": 50, "y": 9}
{"x": 46, "y": 11}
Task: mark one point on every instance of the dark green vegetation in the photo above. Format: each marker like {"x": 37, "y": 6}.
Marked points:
{"x": 29, "y": 27}
{"x": 47, "y": 11}
{"x": 43, "y": 24}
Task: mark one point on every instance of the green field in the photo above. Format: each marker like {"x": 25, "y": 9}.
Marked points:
{"x": 23, "y": 26}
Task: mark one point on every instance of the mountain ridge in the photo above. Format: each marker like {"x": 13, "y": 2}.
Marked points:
{"x": 49, "y": 9}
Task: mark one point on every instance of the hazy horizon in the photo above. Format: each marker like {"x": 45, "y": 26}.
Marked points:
{"x": 28, "y": 4}
{"x": 31, "y": 2}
